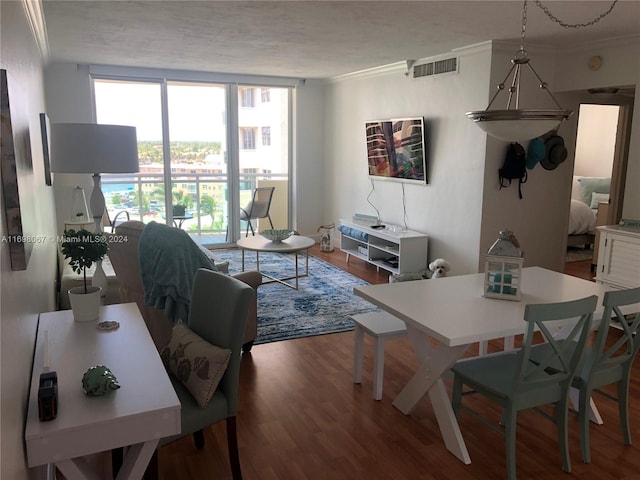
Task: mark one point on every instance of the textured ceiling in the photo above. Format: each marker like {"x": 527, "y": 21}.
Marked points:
{"x": 308, "y": 39}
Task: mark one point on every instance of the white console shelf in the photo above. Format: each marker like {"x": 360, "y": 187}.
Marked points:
{"x": 397, "y": 251}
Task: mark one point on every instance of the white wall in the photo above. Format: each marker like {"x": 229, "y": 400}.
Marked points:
{"x": 23, "y": 294}
{"x": 596, "y": 140}
{"x": 68, "y": 96}
{"x": 309, "y": 192}
{"x": 462, "y": 208}
{"x": 540, "y": 219}
{"x": 448, "y": 208}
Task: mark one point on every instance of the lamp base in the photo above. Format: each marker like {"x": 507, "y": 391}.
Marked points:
{"x": 100, "y": 279}
{"x": 97, "y": 203}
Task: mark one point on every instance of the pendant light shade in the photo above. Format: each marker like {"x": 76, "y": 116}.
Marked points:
{"x": 518, "y": 125}
{"x": 515, "y": 124}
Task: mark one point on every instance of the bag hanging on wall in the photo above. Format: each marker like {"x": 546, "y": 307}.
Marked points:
{"x": 514, "y": 167}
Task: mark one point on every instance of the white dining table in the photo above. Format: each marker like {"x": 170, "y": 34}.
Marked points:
{"x": 453, "y": 311}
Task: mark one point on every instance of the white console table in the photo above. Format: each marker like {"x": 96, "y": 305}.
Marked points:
{"x": 619, "y": 256}
{"x": 384, "y": 245}
{"x": 142, "y": 411}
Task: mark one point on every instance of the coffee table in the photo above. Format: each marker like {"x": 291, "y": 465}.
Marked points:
{"x": 293, "y": 244}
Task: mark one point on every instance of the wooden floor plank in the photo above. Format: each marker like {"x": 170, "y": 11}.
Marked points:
{"x": 301, "y": 417}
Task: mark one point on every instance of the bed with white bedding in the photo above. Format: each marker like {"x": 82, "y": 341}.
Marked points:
{"x": 587, "y": 193}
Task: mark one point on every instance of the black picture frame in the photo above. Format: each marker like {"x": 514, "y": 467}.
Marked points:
{"x": 45, "y": 129}
{"x": 12, "y": 153}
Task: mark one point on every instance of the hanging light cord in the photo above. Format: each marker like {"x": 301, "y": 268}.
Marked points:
{"x": 369, "y": 201}
{"x": 404, "y": 208}
{"x": 572, "y": 25}
{"x": 524, "y": 26}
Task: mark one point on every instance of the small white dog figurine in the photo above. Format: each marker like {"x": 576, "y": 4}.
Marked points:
{"x": 439, "y": 267}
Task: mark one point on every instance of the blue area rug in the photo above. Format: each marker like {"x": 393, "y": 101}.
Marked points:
{"x": 322, "y": 304}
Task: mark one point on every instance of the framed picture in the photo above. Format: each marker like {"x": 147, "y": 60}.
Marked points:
{"x": 45, "y": 129}
{"x": 14, "y": 157}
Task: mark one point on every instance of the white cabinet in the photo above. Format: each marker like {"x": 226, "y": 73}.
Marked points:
{"x": 619, "y": 256}
{"x": 395, "y": 250}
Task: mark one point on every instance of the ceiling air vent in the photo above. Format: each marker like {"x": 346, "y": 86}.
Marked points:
{"x": 447, "y": 65}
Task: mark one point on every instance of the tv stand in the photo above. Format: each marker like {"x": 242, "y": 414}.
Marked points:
{"x": 402, "y": 251}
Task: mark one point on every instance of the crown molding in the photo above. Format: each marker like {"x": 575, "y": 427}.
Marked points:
{"x": 613, "y": 42}
{"x": 371, "y": 72}
{"x": 35, "y": 17}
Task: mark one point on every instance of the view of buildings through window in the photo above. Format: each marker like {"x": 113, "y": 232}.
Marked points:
{"x": 188, "y": 166}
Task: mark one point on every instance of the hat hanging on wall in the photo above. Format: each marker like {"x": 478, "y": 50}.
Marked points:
{"x": 556, "y": 152}
{"x": 535, "y": 152}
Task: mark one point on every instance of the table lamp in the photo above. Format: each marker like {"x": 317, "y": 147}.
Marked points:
{"x": 95, "y": 149}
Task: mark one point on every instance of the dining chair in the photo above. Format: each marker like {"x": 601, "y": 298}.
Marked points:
{"x": 219, "y": 320}
{"x": 258, "y": 207}
{"x": 603, "y": 365}
{"x": 515, "y": 383}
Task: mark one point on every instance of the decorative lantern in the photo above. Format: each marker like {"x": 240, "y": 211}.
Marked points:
{"x": 325, "y": 237}
{"x": 503, "y": 268}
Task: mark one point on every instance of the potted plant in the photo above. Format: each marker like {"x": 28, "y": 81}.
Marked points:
{"x": 83, "y": 248}
{"x": 179, "y": 210}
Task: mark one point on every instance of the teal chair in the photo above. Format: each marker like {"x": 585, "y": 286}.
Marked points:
{"x": 220, "y": 320}
{"x": 515, "y": 383}
{"x": 602, "y": 365}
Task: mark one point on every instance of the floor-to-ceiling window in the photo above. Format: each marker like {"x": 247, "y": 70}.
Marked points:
{"x": 263, "y": 123}
{"x": 137, "y": 104}
{"x": 201, "y": 156}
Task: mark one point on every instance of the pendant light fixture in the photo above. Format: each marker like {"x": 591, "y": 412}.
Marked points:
{"x": 514, "y": 124}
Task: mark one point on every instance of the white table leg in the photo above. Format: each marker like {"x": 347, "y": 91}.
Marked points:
{"x": 136, "y": 460}
{"x": 378, "y": 368}
{"x": 434, "y": 363}
{"x": 358, "y": 354}
{"x": 134, "y": 464}
{"x": 509, "y": 343}
{"x": 594, "y": 414}
{"x": 77, "y": 469}
{"x": 574, "y": 395}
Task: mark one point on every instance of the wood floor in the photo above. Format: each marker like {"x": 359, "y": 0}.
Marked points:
{"x": 301, "y": 417}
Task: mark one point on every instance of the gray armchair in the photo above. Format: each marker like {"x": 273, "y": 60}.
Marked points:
{"x": 123, "y": 252}
{"x": 217, "y": 319}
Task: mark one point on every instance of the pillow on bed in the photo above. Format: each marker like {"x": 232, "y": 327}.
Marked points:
{"x": 597, "y": 198}
{"x": 589, "y": 185}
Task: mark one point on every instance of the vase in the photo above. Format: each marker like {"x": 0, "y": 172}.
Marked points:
{"x": 85, "y": 306}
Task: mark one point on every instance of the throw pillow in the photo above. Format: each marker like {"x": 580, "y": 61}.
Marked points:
{"x": 588, "y": 185}
{"x": 597, "y": 198}
{"x": 195, "y": 362}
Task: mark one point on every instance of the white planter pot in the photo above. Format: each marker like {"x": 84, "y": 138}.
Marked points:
{"x": 85, "y": 306}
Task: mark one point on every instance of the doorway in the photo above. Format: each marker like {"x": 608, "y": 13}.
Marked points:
{"x": 602, "y": 146}
{"x": 622, "y": 98}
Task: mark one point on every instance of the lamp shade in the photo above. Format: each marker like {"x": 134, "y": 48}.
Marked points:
{"x": 93, "y": 148}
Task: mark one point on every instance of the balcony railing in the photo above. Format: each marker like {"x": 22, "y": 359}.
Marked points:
{"x": 204, "y": 195}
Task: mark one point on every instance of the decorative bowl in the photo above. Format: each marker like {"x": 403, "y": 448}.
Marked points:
{"x": 276, "y": 236}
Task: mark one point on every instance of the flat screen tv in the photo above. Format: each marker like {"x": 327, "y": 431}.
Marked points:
{"x": 396, "y": 150}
